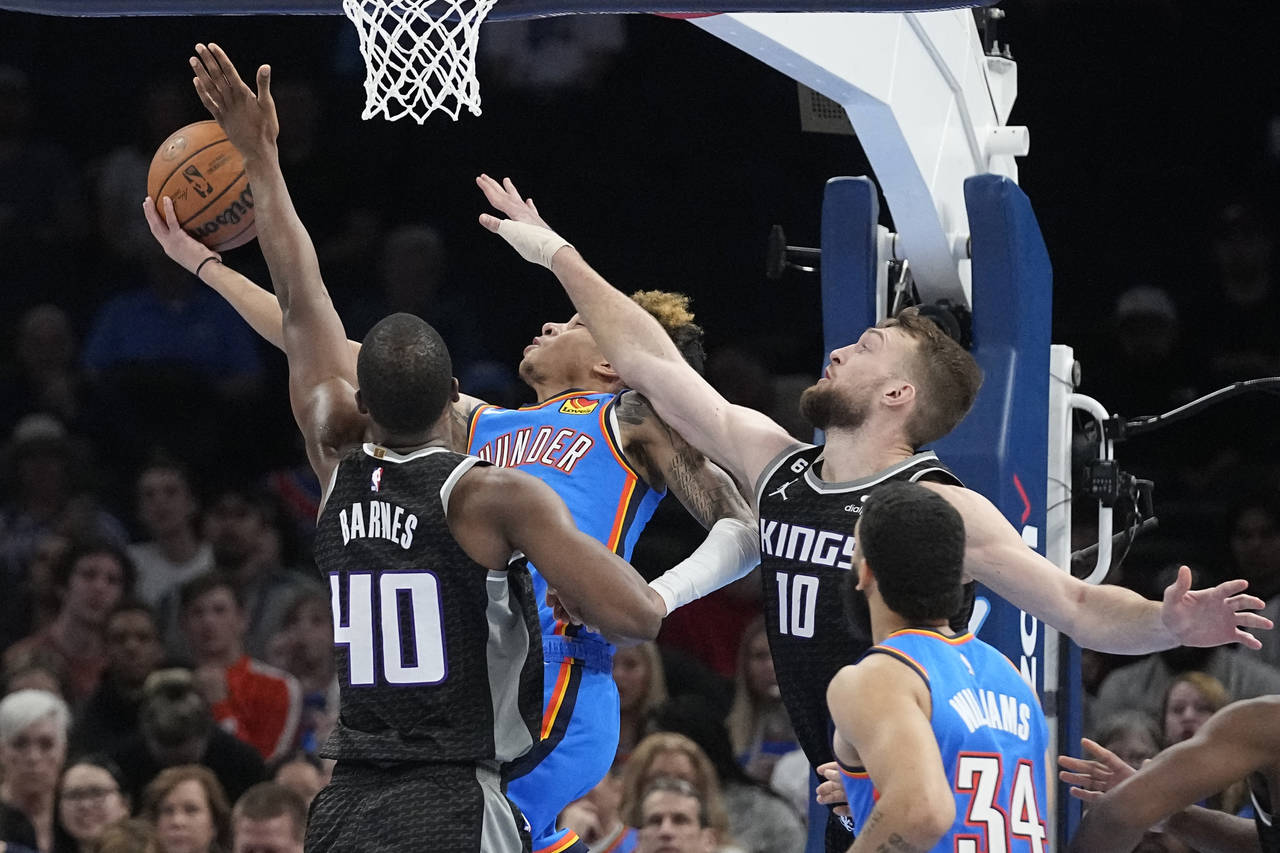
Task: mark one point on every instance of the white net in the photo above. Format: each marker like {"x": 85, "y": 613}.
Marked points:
{"x": 419, "y": 55}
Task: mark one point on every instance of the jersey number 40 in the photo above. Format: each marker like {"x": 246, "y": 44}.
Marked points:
{"x": 413, "y": 594}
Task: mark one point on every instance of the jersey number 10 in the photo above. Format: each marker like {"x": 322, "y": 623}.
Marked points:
{"x": 366, "y": 640}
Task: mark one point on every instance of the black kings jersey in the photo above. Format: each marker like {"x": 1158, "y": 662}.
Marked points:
{"x": 806, "y": 551}
{"x": 438, "y": 658}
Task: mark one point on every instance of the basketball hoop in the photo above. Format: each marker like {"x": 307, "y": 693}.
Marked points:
{"x": 419, "y": 55}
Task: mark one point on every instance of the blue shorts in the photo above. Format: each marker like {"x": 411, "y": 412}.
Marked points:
{"x": 579, "y": 740}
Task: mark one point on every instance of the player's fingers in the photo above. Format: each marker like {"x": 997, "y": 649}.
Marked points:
{"x": 511, "y": 187}
{"x": 153, "y": 218}
{"x": 1246, "y": 602}
{"x": 264, "y": 85}
{"x": 170, "y": 216}
{"x": 1247, "y": 640}
{"x": 1087, "y": 796}
{"x": 206, "y": 98}
{"x": 208, "y": 70}
{"x": 490, "y": 222}
{"x": 225, "y": 67}
{"x": 830, "y": 771}
{"x": 843, "y": 811}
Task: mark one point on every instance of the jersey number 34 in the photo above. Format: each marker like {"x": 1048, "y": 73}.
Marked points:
{"x": 417, "y": 594}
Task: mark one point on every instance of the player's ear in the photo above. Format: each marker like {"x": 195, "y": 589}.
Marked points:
{"x": 454, "y": 394}
{"x": 364, "y": 410}
{"x": 605, "y": 372}
{"x": 899, "y": 394}
{"x": 865, "y": 577}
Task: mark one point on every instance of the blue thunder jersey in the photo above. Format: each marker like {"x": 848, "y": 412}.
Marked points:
{"x": 570, "y": 442}
{"x": 992, "y": 736}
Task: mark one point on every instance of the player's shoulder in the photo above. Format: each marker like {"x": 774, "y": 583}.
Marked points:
{"x": 1251, "y": 721}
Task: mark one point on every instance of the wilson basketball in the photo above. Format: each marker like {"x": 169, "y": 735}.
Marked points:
{"x": 203, "y": 173}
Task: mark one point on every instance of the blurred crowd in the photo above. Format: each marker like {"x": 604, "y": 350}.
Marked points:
{"x": 167, "y": 645}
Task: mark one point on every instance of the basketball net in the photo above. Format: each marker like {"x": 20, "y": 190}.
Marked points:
{"x": 419, "y": 55}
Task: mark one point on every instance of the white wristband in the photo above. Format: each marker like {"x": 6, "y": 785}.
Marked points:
{"x": 730, "y": 551}
{"x": 535, "y": 244}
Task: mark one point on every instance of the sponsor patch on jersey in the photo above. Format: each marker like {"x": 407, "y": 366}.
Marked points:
{"x": 375, "y": 482}
{"x": 578, "y": 406}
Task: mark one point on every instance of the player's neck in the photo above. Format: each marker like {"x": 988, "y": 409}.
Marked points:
{"x": 546, "y": 390}
{"x": 853, "y": 454}
{"x": 439, "y": 435}
{"x": 885, "y": 622}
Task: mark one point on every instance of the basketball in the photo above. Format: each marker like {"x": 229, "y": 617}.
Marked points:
{"x": 203, "y": 173}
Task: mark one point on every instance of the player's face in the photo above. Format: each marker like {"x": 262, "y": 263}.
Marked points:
{"x": 1186, "y": 711}
{"x": 184, "y": 823}
{"x": 669, "y": 824}
{"x": 133, "y": 645}
{"x": 275, "y": 835}
{"x": 563, "y": 353}
{"x": 95, "y": 586}
{"x": 857, "y": 374}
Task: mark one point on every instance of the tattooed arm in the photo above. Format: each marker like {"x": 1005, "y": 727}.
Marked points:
{"x": 732, "y": 547}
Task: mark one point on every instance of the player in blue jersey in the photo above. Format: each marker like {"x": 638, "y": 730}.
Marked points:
{"x": 611, "y": 459}
{"x": 940, "y": 741}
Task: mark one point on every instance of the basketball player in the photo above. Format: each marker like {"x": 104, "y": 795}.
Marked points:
{"x": 1242, "y": 740}
{"x": 609, "y": 456}
{"x": 423, "y": 547}
{"x": 938, "y": 736}
{"x": 901, "y": 385}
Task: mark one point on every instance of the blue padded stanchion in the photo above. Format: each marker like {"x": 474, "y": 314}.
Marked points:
{"x": 850, "y": 212}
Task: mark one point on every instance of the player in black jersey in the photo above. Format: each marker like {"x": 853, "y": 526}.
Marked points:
{"x": 900, "y": 386}
{"x": 439, "y": 661}
{"x": 1242, "y": 740}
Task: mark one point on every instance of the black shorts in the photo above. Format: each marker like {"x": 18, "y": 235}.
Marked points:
{"x": 408, "y": 808}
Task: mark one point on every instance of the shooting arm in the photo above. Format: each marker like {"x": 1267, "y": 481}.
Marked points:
{"x": 1210, "y": 831}
{"x": 1106, "y": 618}
{"x": 878, "y": 708}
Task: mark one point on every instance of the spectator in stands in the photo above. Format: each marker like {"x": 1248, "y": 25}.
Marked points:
{"x": 670, "y": 754}
{"x": 759, "y": 728}
{"x": 44, "y": 494}
{"x": 256, "y": 702}
{"x": 1253, "y": 539}
{"x": 1131, "y": 735}
{"x": 133, "y": 653}
{"x": 304, "y": 774}
{"x": 33, "y": 747}
{"x": 90, "y": 798}
{"x": 596, "y": 817}
{"x": 674, "y": 818}
{"x": 168, "y": 510}
{"x": 90, "y": 579}
{"x": 642, "y": 686}
{"x": 760, "y": 819}
{"x": 269, "y": 818}
{"x": 176, "y": 727}
{"x": 189, "y": 810}
{"x": 44, "y": 377}
{"x": 128, "y": 836}
{"x": 37, "y": 670}
{"x": 304, "y": 649}
{"x": 1192, "y": 698}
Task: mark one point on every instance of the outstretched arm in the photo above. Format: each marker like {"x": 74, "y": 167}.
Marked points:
{"x": 321, "y": 366}
{"x": 732, "y": 547}
{"x": 1107, "y": 618}
{"x": 495, "y": 511}
{"x": 1236, "y": 741}
{"x": 740, "y": 440}
{"x": 1206, "y": 830}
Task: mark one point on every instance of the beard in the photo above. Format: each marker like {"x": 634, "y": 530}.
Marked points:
{"x": 824, "y": 407}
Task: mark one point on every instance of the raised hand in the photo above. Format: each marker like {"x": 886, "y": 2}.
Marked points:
{"x": 506, "y": 199}
{"x": 248, "y": 119}
{"x": 1212, "y": 617}
{"x": 1089, "y": 778}
{"x": 180, "y": 246}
